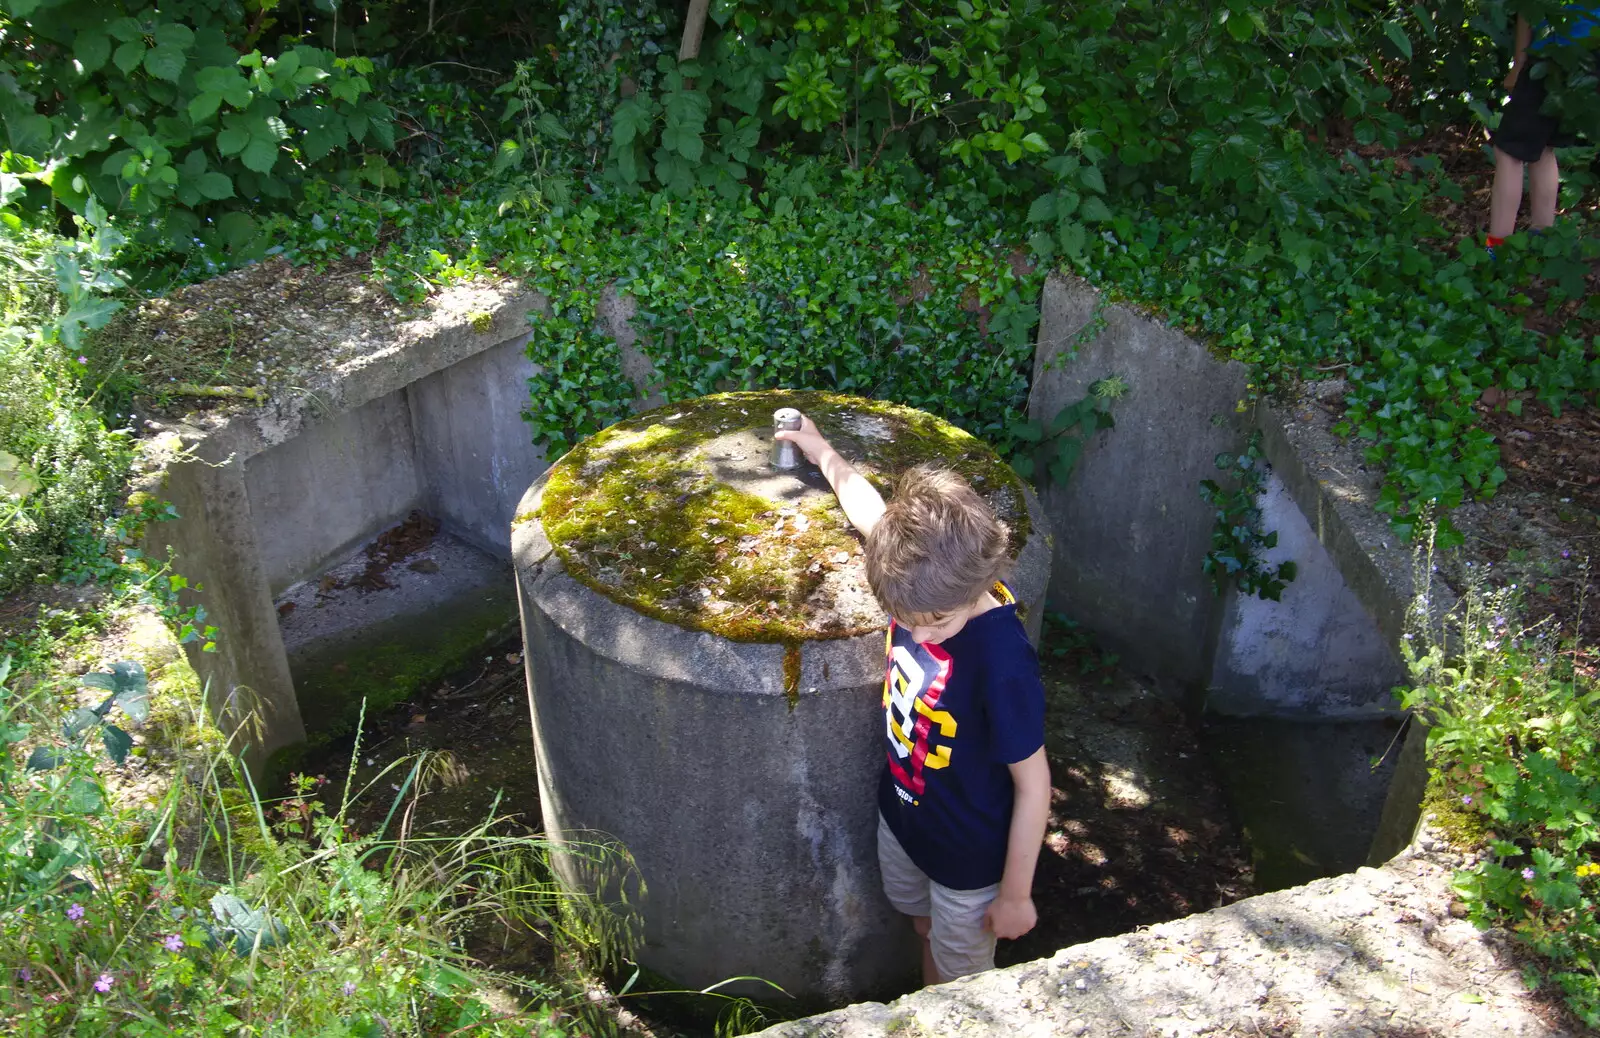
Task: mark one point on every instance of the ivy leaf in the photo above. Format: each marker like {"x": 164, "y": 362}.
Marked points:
{"x": 118, "y": 742}
{"x": 164, "y": 61}
{"x": 91, "y": 49}
{"x": 260, "y": 155}
{"x": 128, "y": 56}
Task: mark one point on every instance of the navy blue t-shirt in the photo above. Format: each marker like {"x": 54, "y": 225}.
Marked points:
{"x": 955, "y": 715}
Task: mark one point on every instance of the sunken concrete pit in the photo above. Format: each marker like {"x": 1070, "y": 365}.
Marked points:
{"x": 280, "y": 506}
{"x": 294, "y": 514}
{"x": 705, "y": 666}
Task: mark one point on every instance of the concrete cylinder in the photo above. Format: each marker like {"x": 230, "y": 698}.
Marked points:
{"x": 705, "y": 665}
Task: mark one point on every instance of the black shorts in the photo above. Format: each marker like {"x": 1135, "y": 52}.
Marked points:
{"x": 1525, "y": 131}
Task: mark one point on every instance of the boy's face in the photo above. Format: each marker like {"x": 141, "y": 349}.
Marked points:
{"x": 934, "y": 628}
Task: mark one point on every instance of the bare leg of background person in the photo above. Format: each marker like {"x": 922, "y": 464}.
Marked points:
{"x": 1544, "y": 184}
{"x": 1505, "y": 197}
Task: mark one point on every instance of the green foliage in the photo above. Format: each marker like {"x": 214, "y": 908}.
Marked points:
{"x": 1512, "y": 744}
{"x": 602, "y": 45}
{"x": 65, "y": 467}
{"x": 826, "y": 280}
{"x": 173, "y": 116}
{"x": 1052, "y": 448}
{"x": 129, "y": 689}
{"x": 213, "y": 910}
{"x": 1237, "y": 539}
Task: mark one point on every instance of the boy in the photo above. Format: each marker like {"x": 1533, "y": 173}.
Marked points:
{"x": 965, "y": 795}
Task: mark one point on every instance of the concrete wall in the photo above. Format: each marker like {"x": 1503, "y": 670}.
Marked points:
{"x": 1317, "y": 651}
{"x": 319, "y": 495}
{"x": 1130, "y": 527}
{"x": 1132, "y": 530}
{"x": 474, "y": 452}
{"x": 269, "y": 494}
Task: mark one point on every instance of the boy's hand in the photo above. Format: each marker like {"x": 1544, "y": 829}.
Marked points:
{"x": 807, "y": 438}
{"x": 1010, "y": 919}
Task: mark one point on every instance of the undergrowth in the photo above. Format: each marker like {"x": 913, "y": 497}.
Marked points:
{"x": 1514, "y": 716}
{"x": 189, "y": 903}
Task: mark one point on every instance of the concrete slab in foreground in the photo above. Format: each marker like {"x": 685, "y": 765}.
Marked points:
{"x": 1375, "y": 952}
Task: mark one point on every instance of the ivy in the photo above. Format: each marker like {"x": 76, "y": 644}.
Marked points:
{"x": 820, "y": 281}
{"x": 1237, "y": 539}
{"x": 1051, "y": 449}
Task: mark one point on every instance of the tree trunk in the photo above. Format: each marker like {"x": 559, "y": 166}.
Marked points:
{"x": 694, "y": 25}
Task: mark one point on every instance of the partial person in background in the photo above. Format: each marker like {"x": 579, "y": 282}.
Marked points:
{"x": 1527, "y": 136}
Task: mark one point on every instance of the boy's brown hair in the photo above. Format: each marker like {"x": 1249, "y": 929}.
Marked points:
{"x": 937, "y": 549}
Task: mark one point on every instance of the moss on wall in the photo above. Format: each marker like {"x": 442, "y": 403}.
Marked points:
{"x": 391, "y": 661}
{"x": 639, "y": 513}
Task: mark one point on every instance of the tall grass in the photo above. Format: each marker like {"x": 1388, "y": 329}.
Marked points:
{"x": 187, "y": 903}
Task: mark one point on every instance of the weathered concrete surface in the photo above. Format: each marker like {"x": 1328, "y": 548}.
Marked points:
{"x": 246, "y": 681}
{"x": 1130, "y": 527}
{"x": 1375, "y": 952}
{"x": 750, "y": 818}
{"x": 315, "y": 497}
{"x": 200, "y": 463}
{"x": 474, "y": 451}
{"x": 1337, "y": 492}
{"x": 1315, "y": 653}
{"x": 349, "y": 641}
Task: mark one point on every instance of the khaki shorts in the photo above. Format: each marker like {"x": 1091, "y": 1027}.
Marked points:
{"x": 960, "y": 942}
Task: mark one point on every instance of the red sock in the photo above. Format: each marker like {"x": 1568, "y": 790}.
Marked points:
{"x": 1491, "y": 241}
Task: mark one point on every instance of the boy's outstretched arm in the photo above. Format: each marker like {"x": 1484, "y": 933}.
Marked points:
{"x": 862, "y": 503}
{"x": 1011, "y": 914}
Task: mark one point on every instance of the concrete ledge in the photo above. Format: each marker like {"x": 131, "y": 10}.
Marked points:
{"x": 1371, "y": 952}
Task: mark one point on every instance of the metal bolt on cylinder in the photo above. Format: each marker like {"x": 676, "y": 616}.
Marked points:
{"x": 785, "y": 455}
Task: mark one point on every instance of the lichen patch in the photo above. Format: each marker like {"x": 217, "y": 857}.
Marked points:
{"x": 676, "y": 513}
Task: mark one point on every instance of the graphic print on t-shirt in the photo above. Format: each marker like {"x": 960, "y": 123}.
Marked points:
{"x": 921, "y": 736}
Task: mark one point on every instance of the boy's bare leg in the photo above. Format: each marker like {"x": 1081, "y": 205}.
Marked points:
{"x": 923, "y": 925}
{"x": 1505, "y": 197}
{"x": 1544, "y": 184}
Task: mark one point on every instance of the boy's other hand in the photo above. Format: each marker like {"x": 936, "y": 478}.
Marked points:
{"x": 807, "y": 438}
{"x": 1010, "y": 919}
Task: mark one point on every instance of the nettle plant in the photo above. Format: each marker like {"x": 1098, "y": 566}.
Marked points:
{"x": 174, "y": 117}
